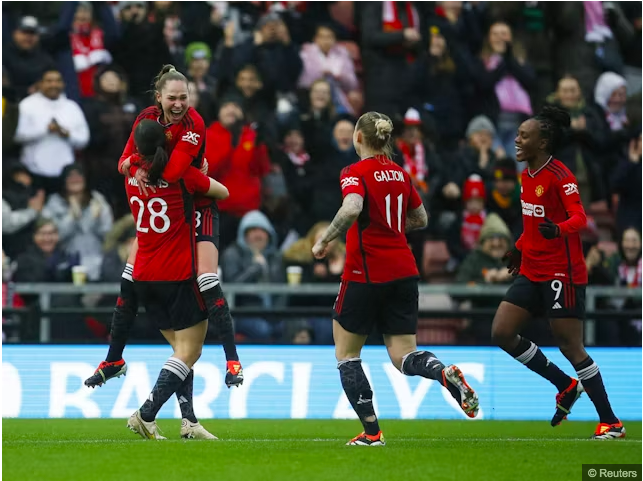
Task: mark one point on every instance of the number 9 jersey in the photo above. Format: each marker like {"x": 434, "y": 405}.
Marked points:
{"x": 376, "y": 247}
{"x": 165, "y": 227}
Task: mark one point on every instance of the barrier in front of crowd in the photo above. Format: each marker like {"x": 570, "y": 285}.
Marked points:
{"x": 301, "y": 382}
{"x": 459, "y": 291}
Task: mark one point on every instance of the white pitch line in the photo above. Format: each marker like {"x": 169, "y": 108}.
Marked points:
{"x": 316, "y": 440}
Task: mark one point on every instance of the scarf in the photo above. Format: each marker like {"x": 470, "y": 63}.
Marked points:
{"x": 391, "y": 23}
{"x": 88, "y": 51}
{"x": 512, "y": 97}
{"x": 471, "y": 227}
{"x": 630, "y": 276}
{"x": 415, "y": 163}
{"x": 596, "y": 30}
{"x": 298, "y": 159}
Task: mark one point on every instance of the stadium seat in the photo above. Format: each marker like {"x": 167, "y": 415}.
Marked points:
{"x": 436, "y": 256}
{"x": 602, "y": 215}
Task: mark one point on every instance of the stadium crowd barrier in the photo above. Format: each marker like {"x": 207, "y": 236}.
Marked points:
{"x": 456, "y": 291}
{"x": 301, "y": 382}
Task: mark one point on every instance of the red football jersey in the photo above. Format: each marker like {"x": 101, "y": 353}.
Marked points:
{"x": 552, "y": 192}
{"x": 187, "y": 138}
{"x": 165, "y": 228}
{"x": 376, "y": 246}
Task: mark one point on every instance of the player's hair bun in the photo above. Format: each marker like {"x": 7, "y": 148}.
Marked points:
{"x": 383, "y": 129}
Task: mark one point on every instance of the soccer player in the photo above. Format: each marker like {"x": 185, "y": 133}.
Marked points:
{"x": 185, "y": 134}
{"x": 551, "y": 274}
{"x": 165, "y": 276}
{"x": 380, "y": 282}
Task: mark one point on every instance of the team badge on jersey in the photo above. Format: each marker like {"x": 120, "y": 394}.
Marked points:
{"x": 168, "y": 134}
{"x": 540, "y": 190}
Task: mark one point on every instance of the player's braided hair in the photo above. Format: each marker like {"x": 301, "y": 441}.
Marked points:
{"x": 554, "y": 121}
{"x": 376, "y": 129}
{"x": 149, "y": 137}
{"x": 167, "y": 73}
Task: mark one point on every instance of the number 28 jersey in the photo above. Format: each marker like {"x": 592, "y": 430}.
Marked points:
{"x": 376, "y": 246}
{"x": 165, "y": 228}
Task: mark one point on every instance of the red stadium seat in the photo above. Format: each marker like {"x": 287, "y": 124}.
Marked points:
{"x": 436, "y": 256}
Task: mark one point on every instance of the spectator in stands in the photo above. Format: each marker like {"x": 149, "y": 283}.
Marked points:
{"x": 197, "y": 59}
{"x": 21, "y": 205}
{"x": 82, "y": 217}
{"x": 254, "y": 258}
{"x": 328, "y": 270}
{"x": 24, "y": 58}
{"x": 391, "y": 40}
{"x": 10, "y": 150}
{"x": 89, "y": 46}
{"x": 610, "y": 95}
{"x": 173, "y": 39}
{"x": 505, "y": 81}
{"x": 318, "y": 120}
{"x": 50, "y": 128}
{"x": 578, "y": 150}
{"x": 442, "y": 82}
{"x": 465, "y": 232}
{"x": 626, "y": 182}
{"x": 300, "y": 333}
{"x": 141, "y": 49}
{"x": 45, "y": 260}
{"x": 110, "y": 114}
{"x": 202, "y": 102}
{"x": 485, "y": 265}
{"x": 464, "y": 24}
{"x": 324, "y": 58}
{"x": 237, "y": 159}
{"x": 503, "y": 197}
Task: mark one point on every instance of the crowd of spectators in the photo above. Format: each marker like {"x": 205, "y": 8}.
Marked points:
{"x": 280, "y": 86}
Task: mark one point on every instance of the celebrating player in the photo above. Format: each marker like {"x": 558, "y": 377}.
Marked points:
{"x": 165, "y": 277}
{"x": 548, "y": 259}
{"x": 380, "y": 282}
{"x": 185, "y": 134}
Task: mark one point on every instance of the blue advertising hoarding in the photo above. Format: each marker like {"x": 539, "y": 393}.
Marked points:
{"x": 301, "y": 382}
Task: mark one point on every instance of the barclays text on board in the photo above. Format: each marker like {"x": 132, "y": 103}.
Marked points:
{"x": 299, "y": 382}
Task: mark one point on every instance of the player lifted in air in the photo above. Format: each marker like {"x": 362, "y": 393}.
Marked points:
{"x": 380, "y": 282}
{"x": 552, "y": 275}
{"x": 185, "y": 142}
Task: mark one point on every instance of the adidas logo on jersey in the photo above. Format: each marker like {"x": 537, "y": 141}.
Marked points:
{"x": 557, "y": 306}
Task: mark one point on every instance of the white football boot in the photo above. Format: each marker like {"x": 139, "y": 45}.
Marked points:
{"x": 190, "y": 430}
{"x": 143, "y": 428}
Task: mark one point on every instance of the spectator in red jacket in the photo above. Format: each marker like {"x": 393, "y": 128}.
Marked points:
{"x": 238, "y": 159}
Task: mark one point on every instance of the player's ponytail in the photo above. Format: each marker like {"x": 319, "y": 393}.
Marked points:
{"x": 554, "y": 122}
{"x": 376, "y": 130}
{"x": 167, "y": 73}
{"x": 149, "y": 137}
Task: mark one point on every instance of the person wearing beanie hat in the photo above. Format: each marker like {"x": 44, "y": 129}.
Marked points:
{"x": 197, "y": 60}
{"x": 481, "y": 123}
{"x": 504, "y": 195}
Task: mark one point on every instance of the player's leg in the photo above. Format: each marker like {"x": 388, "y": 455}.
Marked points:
{"x": 207, "y": 236}
{"x": 522, "y": 299}
{"x": 567, "y": 327}
{"x": 122, "y": 322}
{"x": 353, "y": 321}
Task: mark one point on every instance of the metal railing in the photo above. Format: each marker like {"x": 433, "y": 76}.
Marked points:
{"x": 458, "y": 291}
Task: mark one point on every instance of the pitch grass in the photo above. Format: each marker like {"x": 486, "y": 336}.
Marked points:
{"x": 266, "y": 450}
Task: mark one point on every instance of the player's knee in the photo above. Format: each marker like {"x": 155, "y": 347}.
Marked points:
{"x": 502, "y": 335}
{"x": 343, "y": 355}
{"x": 572, "y": 349}
{"x": 188, "y": 354}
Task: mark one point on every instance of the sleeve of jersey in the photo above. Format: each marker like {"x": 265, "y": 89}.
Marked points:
{"x": 351, "y": 183}
{"x": 414, "y": 200}
{"x": 568, "y": 191}
{"x": 195, "y": 181}
{"x": 185, "y": 152}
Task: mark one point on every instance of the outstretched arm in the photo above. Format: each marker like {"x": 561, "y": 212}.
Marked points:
{"x": 346, "y": 215}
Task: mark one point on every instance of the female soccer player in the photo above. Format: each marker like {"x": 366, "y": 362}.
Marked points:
{"x": 185, "y": 140}
{"x": 380, "y": 281}
{"x": 548, "y": 260}
{"x": 164, "y": 277}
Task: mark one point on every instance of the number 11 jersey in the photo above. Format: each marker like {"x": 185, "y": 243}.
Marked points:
{"x": 376, "y": 246}
{"x": 165, "y": 228}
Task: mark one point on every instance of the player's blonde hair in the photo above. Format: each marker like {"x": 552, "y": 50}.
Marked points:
{"x": 376, "y": 130}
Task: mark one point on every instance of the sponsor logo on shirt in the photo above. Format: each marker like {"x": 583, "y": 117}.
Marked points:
{"x": 348, "y": 181}
{"x": 570, "y": 188}
{"x": 191, "y": 137}
{"x": 532, "y": 210}
{"x": 540, "y": 190}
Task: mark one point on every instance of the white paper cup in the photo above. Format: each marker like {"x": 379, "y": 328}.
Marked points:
{"x": 79, "y": 275}
{"x": 294, "y": 274}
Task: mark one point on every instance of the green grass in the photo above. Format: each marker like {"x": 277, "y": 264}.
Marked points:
{"x": 104, "y": 450}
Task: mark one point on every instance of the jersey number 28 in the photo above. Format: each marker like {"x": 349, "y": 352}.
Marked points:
{"x": 155, "y": 213}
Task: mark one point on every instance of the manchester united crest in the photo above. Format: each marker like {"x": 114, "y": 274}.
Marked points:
{"x": 540, "y": 190}
{"x": 168, "y": 134}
